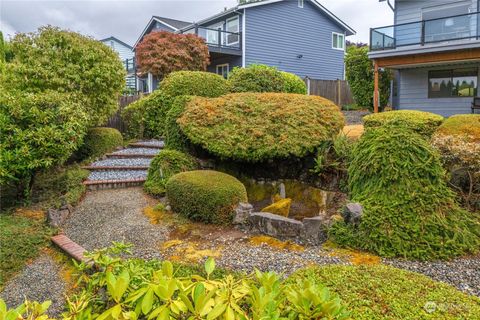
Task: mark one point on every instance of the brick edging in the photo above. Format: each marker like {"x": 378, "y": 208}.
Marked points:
{"x": 95, "y": 182}
{"x": 71, "y": 248}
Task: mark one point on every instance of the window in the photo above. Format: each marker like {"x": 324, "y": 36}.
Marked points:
{"x": 233, "y": 28}
{"x": 451, "y": 22}
{"x": 453, "y": 83}
{"x": 223, "y": 69}
{"x": 338, "y": 41}
{"x": 300, "y": 3}
{"x": 213, "y": 36}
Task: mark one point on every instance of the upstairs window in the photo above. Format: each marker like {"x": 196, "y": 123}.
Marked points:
{"x": 338, "y": 41}
{"x": 453, "y": 83}
{"x": 233, "y": 29}
{"x": 300, "y": 3}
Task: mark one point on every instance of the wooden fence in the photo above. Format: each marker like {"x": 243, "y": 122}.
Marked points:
{"x": 116, "y": 121}
{"x": 336, "y": 90}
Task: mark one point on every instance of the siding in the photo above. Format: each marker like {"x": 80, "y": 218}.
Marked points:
{"x": 276, "y": 34}
{"x": 123, "y": 51}
{"x": 413, "y": 94}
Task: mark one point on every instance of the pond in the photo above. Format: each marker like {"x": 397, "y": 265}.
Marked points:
{"x": 307, "y": 201}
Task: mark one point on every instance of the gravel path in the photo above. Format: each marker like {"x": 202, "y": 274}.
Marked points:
{"x": 123, "y": 162}
{"x": 117, "y": 175}
{"x": 40, "y": 281}
{"x": 137, "y": 151}
{"x": 153, "y": 143}
{"x": 354, "y": 117}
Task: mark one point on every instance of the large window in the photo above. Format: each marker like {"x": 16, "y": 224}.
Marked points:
{"x": 233, "y": 28}
{"x": 453, "y": 83}
{"x": 214, "y": 37}
{"x": 338, "y": 41}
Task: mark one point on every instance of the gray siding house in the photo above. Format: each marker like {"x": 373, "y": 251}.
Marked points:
{"x": 298, "y": 36}
{"x": 434, "y": 49}
{"x": 126, "y": 54}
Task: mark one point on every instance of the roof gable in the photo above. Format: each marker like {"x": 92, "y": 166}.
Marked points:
{"x": 112, "y": 38}
{"x": 172, "y": 24}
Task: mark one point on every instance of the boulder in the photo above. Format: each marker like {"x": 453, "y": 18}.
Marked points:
{"x": 57, "y": 218}
{"x": 242, "y": 213}
{"x": 281, "y": 207}
{"x": 315, "y": 230}
{"x": 275, "y": 225}
{"x": 352, "y": 213}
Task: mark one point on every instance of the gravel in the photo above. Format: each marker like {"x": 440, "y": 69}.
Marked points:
{"x": 355, "y": 117}
{"x": 148, "y": 151}
{"x": 117, "y": 175}
{"x": 153, "y": 143}
{"x": 40, "y": 281}
{"x": 140, "y": 162}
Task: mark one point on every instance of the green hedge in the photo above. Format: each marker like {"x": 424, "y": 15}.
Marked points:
{"x": 408, "y": 209}
{"x": 260, "y": 126}
{"x": 206, "y": 196}
{"x": 293, "y": 83}
{"x": 163, "y": 166}
{"x": 258, "y": 78}
{"x": 100, "y": 141}
{"x": 195, "y": 83}
{"x": 423, "y": 123}
{"x": 174, "y": 137}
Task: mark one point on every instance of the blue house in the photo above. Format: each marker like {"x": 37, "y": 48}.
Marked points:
{"x": 433, "y": 47}
{"x": 298, "y": 36}
{"x": 126, "y": 54}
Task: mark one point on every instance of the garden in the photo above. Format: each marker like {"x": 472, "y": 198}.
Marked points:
{"x": 258, "y": 203}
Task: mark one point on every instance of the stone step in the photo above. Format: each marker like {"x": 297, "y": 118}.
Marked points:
{"x": 93, "y": 185}
{"x": 108, "y": 168}
{"x": 148, "y": 144}
{"x": 129, "y": 156}
{"x": 69, "y": 247}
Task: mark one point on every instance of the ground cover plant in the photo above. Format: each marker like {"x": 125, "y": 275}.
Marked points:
{"x": 205, "y": 195}
{"x": 98, "y": 142}
{"x": 260, "y": 126}
{"x": 166, "y": 164}
{"x": 423, "y": 123}
{"x": 409, "y": 211}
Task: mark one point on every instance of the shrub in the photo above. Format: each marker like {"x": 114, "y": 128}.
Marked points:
{"x": 383, "y": 292}
{"x": 194, "y": 83}
{"x": 256, "y": 78}
{"x": 163, "y": 52}
{"x": 423, "y": 123}
{"x": 204, "y": 195}
{"x": 293, "y": 83}
{"x": 38, "y": 131}
{"x": 260, "y": 126}
{"x": 408, "y": 209}
{"x": 65, "y": 61}
{"x": 166, "y": 164}
{"x": 458, "y": 140}
{"x": 100, "y": 141}
{"x": 133, "y": 117}
{"x": 174, "y": 137}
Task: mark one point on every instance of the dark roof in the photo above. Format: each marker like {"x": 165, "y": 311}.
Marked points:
{"x": 118, "y": 40}
{"x": 177, "y": 24}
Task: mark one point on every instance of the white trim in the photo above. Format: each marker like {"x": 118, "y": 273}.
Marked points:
{"x": 258, "y": 3}
{"x": 168, "y": 25}
{"x": 243, "y": 37}
{"x": 343, "y": 44}
{"x": 214, "y": 17}
{"x": 300, "y": 3}
{"x": 148, "y": 25}
{"x": 222, "y": 65}
{"x": 226, "y": 30}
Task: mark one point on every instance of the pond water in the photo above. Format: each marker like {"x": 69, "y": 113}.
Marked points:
{"x": 307, "y": 201}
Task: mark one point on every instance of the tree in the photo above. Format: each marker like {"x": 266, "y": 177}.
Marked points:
{"x": 65, "y": 61}
{"x": 161, "y": 53}
{"x": 360, "y": 76}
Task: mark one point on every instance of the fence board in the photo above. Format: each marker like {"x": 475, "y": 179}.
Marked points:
{"x": 336, "y": 90}
{"x": 116, "y": 121}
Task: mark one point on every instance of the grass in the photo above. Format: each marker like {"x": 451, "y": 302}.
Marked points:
{"x": 25, "y": 233}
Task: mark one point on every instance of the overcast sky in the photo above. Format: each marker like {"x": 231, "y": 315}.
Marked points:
{"x": 125, "y": 19}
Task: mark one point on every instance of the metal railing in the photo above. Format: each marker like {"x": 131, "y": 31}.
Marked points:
{"x": 218, "y": 37}
{"x": 452, "y": 28}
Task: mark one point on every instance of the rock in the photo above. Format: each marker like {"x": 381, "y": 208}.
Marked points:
{"x": 281, "y": 207}
{"x": 352, "y": 213}
{"x": 168, "y": 208}
{"x": 315, "y": 229}
{"x": 275, "y": 225}
{"x": 242, "y": 213}
{"x": 56, "y": 218}
{"x": 282, "y": 191}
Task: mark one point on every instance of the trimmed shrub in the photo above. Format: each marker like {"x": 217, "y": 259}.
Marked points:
{"x": 408, "y": 209}
{"x": 205, "y": 196}
{"x": 174, "y": 137}
{"x": 293, "y": 83}
{"x": 100, "y": 141}
{"x": 466, "y": 126}
{"x": 194, "y": 83}
{"x": 256, "y": 78}
{"x": 133, "y": 117}
{"x": 423, "y": 123}
{"x": 260, "y": 126}
{"x": 163, "y": 166}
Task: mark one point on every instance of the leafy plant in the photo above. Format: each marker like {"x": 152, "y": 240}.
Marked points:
{"x": 333, "y": 156}
{"x": 194, "y": 83}
{"x": 29, "y": 310}
{"x": 257, "y": 78}
{"x": 175, "y": 139}
{"x": 98, "y": 142}
{"x": 293, "y": 83}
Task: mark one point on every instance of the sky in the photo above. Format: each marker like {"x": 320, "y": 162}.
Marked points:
{"x": 126, "y": 19}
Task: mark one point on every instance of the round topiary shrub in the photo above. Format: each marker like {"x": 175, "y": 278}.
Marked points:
{"x": 163, "y": 166}
{"x": 293, "y": 83}
{"x": 260, "y": 126}
{"x": 423, "y": 123}
{"x": 100, "y": 141}
{"x": 195, "y": 83}
{"x": 256, "y": 78}
{"x": 206, "y": 196}
{"x": 408, "y": 209}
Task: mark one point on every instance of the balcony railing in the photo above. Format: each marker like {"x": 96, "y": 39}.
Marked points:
{"x": 218, "y": 38}
{"x": 453, "y": 28}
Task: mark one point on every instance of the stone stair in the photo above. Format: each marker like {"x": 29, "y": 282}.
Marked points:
{"x": 123, "y": 168}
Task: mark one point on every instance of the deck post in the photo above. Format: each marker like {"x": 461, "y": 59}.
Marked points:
{"x": 376, "y": 88}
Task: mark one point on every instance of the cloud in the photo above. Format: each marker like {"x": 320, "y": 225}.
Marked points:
{"x": 7, "y": 30}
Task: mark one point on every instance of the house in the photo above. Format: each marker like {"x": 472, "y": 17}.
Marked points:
{"x": 434, "y": 49}
{"x": 298, "y": 36}
{"x": 126, "y": 54}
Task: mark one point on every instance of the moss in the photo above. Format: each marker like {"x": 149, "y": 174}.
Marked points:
{"x": 466, "y": 126}
{"x": 423, "y": 123}
{"x": 383, "y": 292}
{"x": 280, "y": 207}
{"x": 275, "y": 243}
{"x": 98, "y": 142}
{"x": 260, "y": 126}
{"x": 163, "y": 166}
{"x": 205, "y": 196}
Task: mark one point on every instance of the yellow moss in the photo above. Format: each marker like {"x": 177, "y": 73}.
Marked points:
{"x": 187, "y": 251}
{"x": 31, "y": 214}
{"x": 360, "y": 258}
{"x": 155, "y": 216}
{"x": 275, "y": 243}
{"x": 281, "y": 207}
{"x": 354, "y": 131}
{"x": 171, "y": 243}
{"x": 355, "y": 257}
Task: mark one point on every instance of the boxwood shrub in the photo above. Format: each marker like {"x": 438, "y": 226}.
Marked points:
{"x": 163, "y": 166}
{"x": 293, "y": 83}
{"x": 260, "y": 126}
{"x": 423, "y": 123}
{"x": 205, "y": 195}
{"x": 100, "y": 141}
{"x": 174, "y": 137}
{"x": 256, "y": 78}
{"x": 409, "y": 211}
{"x": 195, "y": 83}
